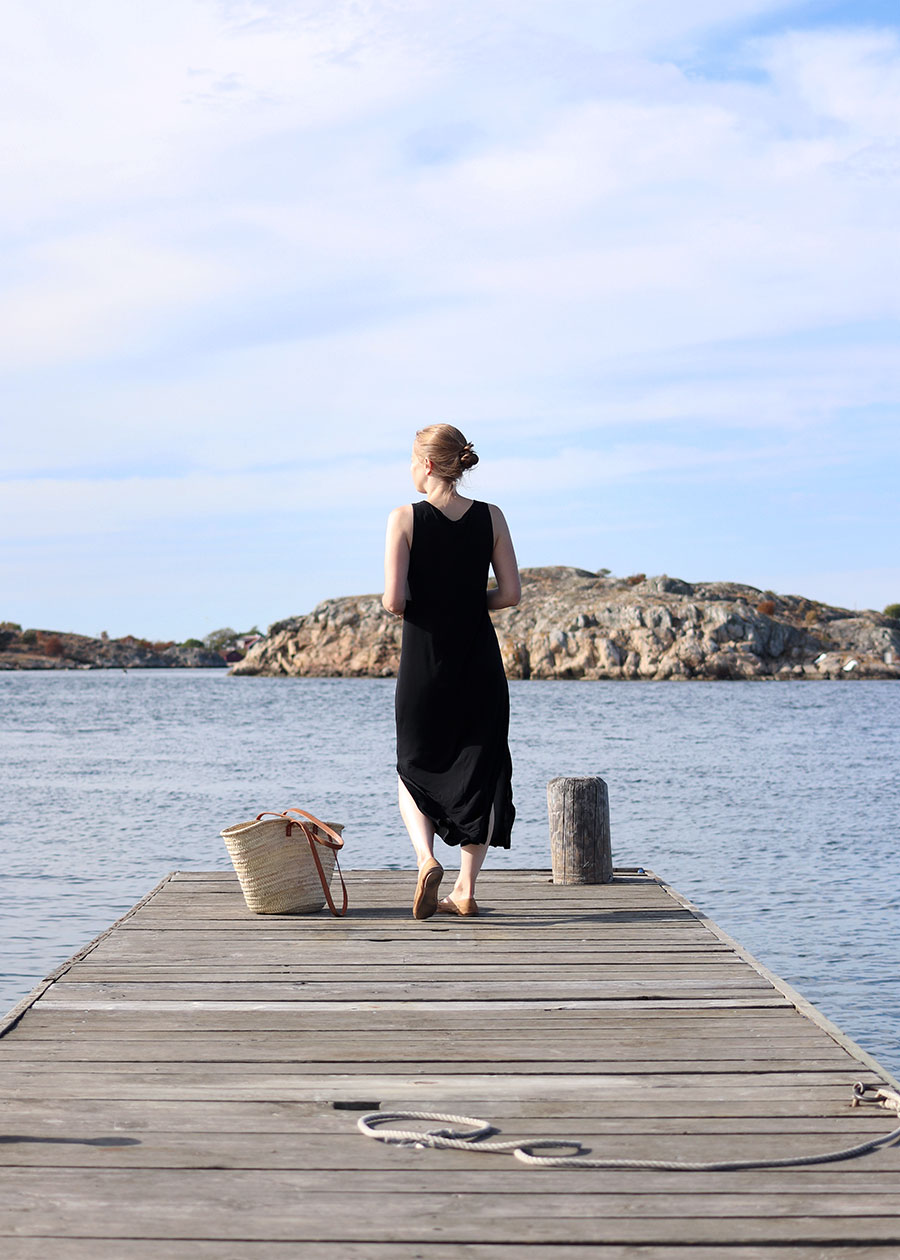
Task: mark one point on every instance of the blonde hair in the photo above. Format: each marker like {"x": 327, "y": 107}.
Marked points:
{"x": 450, "y": 453}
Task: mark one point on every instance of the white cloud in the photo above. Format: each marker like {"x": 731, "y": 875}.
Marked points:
{"x": 846, "y": 77}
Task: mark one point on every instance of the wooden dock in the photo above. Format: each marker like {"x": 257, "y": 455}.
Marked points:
{"x": 184, "y": 1087}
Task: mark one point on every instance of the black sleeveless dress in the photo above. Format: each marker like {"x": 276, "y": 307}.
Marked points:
{"x": 452, "y": 698}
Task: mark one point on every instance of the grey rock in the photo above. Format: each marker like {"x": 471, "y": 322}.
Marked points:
{"x": 861, "y": 634}
{"x": 575, "y": 624}
{"x": 665, "y": 585}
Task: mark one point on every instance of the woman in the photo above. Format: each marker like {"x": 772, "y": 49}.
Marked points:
{"x": 452, "y": 699}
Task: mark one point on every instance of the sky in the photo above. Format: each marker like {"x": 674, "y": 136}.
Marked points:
{"x": 644, "y": 254}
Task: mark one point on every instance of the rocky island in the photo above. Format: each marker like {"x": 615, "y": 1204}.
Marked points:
{"x": 53, "y": 649}
{"x": 573, "y": 623}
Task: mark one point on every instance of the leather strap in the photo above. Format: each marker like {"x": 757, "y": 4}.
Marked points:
{"x": 313, "y": 841}
{"x": 338, "y": 840}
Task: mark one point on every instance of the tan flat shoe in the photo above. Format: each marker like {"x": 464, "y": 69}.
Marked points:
{"x": 466, "y": 907}
{"x": 425, "y": 901}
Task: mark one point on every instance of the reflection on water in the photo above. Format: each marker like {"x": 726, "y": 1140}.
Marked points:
{"x": 773, "y": 806}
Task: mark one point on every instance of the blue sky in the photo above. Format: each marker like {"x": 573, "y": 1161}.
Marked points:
{"x": 643, "y": 254}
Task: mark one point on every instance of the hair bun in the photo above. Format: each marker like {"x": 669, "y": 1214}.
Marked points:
{"x": 467, "y": 456}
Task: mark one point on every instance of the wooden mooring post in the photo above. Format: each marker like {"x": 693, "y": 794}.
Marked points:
{"x": 579, "y": 831}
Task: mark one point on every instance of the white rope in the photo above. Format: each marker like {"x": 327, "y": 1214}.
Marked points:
{"x": 522, "y": 1148}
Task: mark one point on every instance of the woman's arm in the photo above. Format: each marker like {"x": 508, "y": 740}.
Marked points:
{"x": 396, "y": 559}
{"x": 508, "y": 591}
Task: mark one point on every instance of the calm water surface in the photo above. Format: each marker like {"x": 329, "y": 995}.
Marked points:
{"x": 773, "y": 806}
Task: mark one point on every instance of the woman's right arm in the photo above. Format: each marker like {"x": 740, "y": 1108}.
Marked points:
{"x": 396, "y": 559}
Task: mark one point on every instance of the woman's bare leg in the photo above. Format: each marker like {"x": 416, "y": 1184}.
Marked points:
{"x": 471, "y": 860}
{"x": 419, "y": 825}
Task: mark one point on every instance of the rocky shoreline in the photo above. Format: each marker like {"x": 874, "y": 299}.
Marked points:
{"x": 53, "y": 649}
{"x": 575, "y": 624}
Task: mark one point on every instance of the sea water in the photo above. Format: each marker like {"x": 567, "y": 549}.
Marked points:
{"x": 773, "y": 806}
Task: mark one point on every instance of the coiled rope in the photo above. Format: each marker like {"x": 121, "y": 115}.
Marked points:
{"x": 523, "y": 1148}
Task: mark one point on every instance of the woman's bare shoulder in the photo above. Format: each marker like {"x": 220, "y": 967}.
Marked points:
{"x": 401, "y": 519}
{"x": 497, "y": 517}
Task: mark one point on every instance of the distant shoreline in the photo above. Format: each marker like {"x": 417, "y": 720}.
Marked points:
{"x": 56, "y": 649}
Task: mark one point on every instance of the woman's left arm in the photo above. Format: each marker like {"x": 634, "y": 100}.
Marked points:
{"x": 396, "y": 559}
{"x": 508, "y": 590}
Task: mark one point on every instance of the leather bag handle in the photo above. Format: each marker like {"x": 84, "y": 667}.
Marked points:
{"x": 338, "y": 842}
{"x": 314, "y": 840}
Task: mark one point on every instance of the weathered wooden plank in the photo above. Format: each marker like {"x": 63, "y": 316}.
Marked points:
{"x": 508, "y": 893}
{"x": 402, "y": 1004}
{"x": 717, "y": 977}
{"x": 387, "y": 1168}
{"x": 668, "y": 1105}
{"x": 162, "y": 954}
{"x": 88, "y": 1118}
{"x": 281, "y": 1043}
{"x": 444, "y": 1091}
{"x": 322, "y": 1158}
{"x": 549, "y": 935}
{"x": 507, "y": 880}
{"x": 365, "y": 1060}
{"x": 244, "y": 1249}
{"x": 257, "y": 938}
{"x": 396, "y": 919}
{"x": 603, "y": 1056}
{"x": 631, "y": 1019}
{"x": 272, "y": 1204}
{"x": 409, "y": 990}
{"x": 257, "y": 934}
{"x": 771, "y": 1009}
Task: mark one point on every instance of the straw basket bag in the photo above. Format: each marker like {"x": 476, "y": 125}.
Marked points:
{"x": 284, "y": 863}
